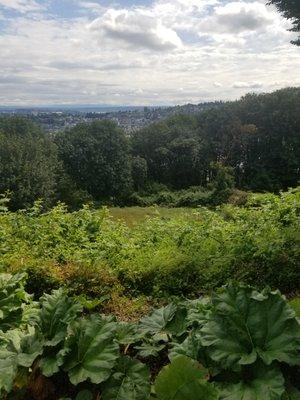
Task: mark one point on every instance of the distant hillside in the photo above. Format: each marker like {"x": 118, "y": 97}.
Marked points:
{"x": 57, "y": 118}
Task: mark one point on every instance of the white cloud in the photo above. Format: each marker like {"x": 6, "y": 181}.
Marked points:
{"x": 91, "y": 6}
{"x": 172, "y": 51}
{"x": 240, "y": 18}
{"x": 247, "y": 85}
{"x": 22, "y": 6}
{"x": 137, "y": 29}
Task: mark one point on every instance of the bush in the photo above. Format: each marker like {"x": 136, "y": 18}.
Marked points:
{"x": 162, "y": 255}
{"x": 238, "y": 343}
{"x": 238, "y": 198}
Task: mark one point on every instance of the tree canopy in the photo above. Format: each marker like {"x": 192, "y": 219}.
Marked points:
{"x": 290, "y": 10}
{"x": 28, "y": 163}
{"x": 96, "y": 157}
{"x": 258, "y": 136}
{"x": 252, "y": 143}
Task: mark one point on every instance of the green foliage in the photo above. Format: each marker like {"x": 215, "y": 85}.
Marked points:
{"x": 29, "y": 165}
{"x": 266, "y": 383}
{"x": 246, "y": 325}
{"x": 186, "y": 160}
{"x": 139, "y": 170}
{"x": 256, "y": 137}
{"x": 92, "y": 351}
{"x": 96, "y": 157}
{"x": 193, "y": 197}
{"x": 17, "y": 348}
{"x": 130, "y": 381}
{"x": 158, "y": 321}
{"x": 238, "y": 344}
{"x": 12, "y": 298}
{"x": 55, "y": 315}
{"x": 96, "y": 256}
{"x": 184, "y": 379}
{"x": 4, "y": 200}
{"x": 290, "y": 10}
{"x": 295, "y": 304}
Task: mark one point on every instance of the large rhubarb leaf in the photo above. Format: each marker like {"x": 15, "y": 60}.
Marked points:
{"x": 184, "y": 379}
{"x": 192, "y": 348}
{"x": 8, "y": 369}
{"x": 127, "y": 333}
{"x": 52, "y": 360}
{"x": 92, "y": 350}
{"x": 24, "y": 346}
{"x": 150, "y": 348}
{"x": 158, "y": 320}
{"x": 56, "y": 313}
{"x": 131, "y": 381}
{"x": 267, "y": 383}
{"x": 245, "y": 325}
{"x": 198, "y": 310}
{"x": 17, "y": 348}
{"x": 12, "y": 297}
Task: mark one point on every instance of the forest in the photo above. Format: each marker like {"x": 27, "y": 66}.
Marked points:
{"x": 158, "y": 265}
{"x": 251, "y": 144}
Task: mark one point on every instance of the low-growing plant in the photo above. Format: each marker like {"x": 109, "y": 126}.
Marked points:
{"x": 178, "y": 253}
{"x": 240, "y": 343}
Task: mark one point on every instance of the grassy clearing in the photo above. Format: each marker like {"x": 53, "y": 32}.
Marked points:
{"x": 135, "y": 215}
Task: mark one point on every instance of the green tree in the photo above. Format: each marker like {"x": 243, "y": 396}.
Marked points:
{"x": 139, "y": 172}
{"x": 174, "y": 151}
{"x": 272, "y": 154}
{"x": 257, "y": 136}
{"x": 28, "y": 163}
{"x": 290, "y": 10}
{"x": 96, "y": 157}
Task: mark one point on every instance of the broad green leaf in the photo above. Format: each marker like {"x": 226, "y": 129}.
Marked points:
{"x": 158, "y": 320}
{"x": 24, "y": 346}
{"x": 245, "y": 325}
{"x": 184, "y": 379}
{"x": 84, "y": 395}
{"x": 267, "y": 384}
{"x": 198, "y": 310}
{"x": 149, "y": 348}
{"x": 177, "y": 326}
{"x": 93, "y": 351}
{"x": 127, "y": 333}
{"x": 52, "y": 360}
{"x": 131, "y": 381}
{"x": 31, "y": 346}
{"x": 12, "y": 298}
{"x": 57, "y": 312}
{"x": 190, "y": 347}
{"x": 17, "y": 348}
{"x": 8, "y": 370}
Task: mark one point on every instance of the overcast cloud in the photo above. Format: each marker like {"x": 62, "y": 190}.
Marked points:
{"x": 141, "y": 52}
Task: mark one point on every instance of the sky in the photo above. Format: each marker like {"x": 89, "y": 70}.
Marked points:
{"x": 142, "y": 52}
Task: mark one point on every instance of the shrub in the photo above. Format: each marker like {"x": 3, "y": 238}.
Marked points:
{"x": 239, "y": 343}
{"x": 170, "y": 254}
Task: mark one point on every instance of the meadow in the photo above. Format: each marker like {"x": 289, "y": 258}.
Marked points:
{"x": 135, "y": 215}
{"x": 155, "y": 252}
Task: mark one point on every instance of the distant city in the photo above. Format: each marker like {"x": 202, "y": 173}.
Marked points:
{"x": 59, "y": 118}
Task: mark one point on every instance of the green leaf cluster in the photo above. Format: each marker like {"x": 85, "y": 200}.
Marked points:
{"x": 236, "y": 345}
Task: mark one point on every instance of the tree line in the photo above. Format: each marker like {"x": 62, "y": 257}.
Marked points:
{"x": 252, "y": 143}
